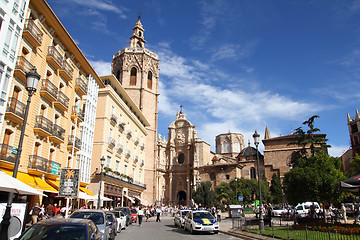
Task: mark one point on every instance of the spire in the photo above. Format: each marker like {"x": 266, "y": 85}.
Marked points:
{"x": 137, "y": 39}
{"x": 267, "y": 133}
{"x": 348, "y": 117}
{"x": 357, "y": 114}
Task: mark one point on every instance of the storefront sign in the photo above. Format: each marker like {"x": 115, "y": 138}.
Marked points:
{"x": 55, "y": 168}
{"x": 69, "y": 183}
{"x": 17, "y": 219}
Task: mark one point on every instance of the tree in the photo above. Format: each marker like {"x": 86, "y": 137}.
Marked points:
{"x": 313, "y": 178}
{"x": 276, "y": 189}
{"x": 355, "y": 166}
{"x": 204, "y": 195}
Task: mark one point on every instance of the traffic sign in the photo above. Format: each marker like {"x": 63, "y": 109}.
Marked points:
{"x": 240, "y": 198}
{"x": 14, "y": 151}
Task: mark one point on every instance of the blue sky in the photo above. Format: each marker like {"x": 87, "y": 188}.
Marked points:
{"x": 236, "y": 65}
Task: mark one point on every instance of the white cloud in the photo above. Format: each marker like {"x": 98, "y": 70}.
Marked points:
{"x": 101, "y": 67}
{"x": 337, "y": 151}
{"x": 104, "y": 6}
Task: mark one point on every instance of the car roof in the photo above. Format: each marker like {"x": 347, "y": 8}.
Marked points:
{"x": 64, "y": 221}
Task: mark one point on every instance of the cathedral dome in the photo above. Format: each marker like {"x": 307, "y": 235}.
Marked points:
{"x": 248, "y": 151}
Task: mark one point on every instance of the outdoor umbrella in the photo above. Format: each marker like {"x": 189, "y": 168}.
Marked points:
{"x": 84, "y": 196}
{"x": 10, "y": 184}
{"x": 351, "y": 184}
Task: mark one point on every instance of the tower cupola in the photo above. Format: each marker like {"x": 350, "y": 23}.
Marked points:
{"x": 137, "y": 39}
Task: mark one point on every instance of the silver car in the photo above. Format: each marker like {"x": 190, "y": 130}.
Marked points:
{"x": 179, "y": 218}
{"x": 98, "y": 217}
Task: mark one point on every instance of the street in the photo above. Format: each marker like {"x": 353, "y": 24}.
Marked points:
{"x": 164, "y": 230}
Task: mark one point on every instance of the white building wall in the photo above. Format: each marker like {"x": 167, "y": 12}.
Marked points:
{"x": 12, "y": 19}
{"x": 88, "y": 126}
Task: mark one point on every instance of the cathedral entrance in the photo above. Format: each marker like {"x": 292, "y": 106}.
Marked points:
{"x": 181, "y": 198}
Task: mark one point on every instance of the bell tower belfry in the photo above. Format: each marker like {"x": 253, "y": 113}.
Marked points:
{"x": 137, "y": 70}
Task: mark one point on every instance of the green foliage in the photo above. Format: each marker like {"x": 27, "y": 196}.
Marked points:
{"x": 204, "y": 196}
{"x": 354, "y": 166}
{"x": 314, "y": 179}
{"x": 276, "y": 189}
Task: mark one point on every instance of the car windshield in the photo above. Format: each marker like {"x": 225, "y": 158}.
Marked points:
{"x": 55, "y": 232}
{"x": 96, "y": 217}
{"x": 199, "y": 215}
{"x": 277, "y": 208}
{"x": 299, "y": 208}
{"x": 110, "y": 217}
{"x": 183, "y": 214}
{"x": 133, "y": 211}
{"x": 117, "y": 214}
{"x": 125, "y": 210}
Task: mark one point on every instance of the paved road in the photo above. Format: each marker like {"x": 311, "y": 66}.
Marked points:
{"x": 164, "y": 230}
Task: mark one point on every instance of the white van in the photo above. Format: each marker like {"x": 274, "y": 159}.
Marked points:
{"x": 303, "y": 209}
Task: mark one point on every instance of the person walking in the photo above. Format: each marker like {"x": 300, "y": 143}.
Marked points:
{"x": 158, "y": 213}
{"x": 140, "y": 214}
{"x": 343, "y": 211}
{"x": 218, "y": 214}
{"x": 356, "y": 212}
{"x": 49, "y": 210}
{"x": 35, "y": 211}
{"x": 147, "y": 213}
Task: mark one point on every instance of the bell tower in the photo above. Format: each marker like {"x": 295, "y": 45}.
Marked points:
{"x": 137, "y": 70}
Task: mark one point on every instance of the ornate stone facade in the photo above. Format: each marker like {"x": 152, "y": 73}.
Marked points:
{"x": 137, "y": 69}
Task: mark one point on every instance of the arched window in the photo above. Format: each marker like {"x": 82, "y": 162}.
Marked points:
{"x": 252, "y": 173}
{"x": 118, "y": 76}
{"x": 133, "y": 76}
{"x": 227, "y": 146}
{"x": 139, "y": 44}
{"x": 149, "y": 80}
{"x": 181, "y": 158}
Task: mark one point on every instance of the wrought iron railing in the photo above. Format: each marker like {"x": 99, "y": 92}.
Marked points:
{"x": 49, "y": 87}
{"x": 67, "y": 68}
{"x": 16, "y": 107}
{"x": 81, "y": 84}
{"x": 63, "y": 99}
{"x": 54, "y": 53}
{"x": 43, "y": 123}
{"x": 77, "y": 141}
{"x": 58, "y": 132}
{"x": 33, "y": 29}
{"x": 111, "y": 142}
{"x": 23, "y": 64}
{"x": 7, "y": 153}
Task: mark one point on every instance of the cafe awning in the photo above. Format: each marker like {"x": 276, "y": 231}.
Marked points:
{"x": 32, "y": 181}
{"x": 87, "y": 191}
{"x": 130, "y": 198}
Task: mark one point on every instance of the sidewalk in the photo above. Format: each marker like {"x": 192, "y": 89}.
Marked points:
{"x": 226, "y": 228}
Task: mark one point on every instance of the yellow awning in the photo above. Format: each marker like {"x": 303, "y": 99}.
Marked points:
{"x": 87, "y": 191}
{"x": 53, "y": 183}
{"x": 32, "y": 181}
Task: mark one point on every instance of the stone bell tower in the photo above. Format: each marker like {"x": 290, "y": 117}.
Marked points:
{"x": 137, "y": 69}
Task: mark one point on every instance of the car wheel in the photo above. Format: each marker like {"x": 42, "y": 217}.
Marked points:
{"x": 216, "y": 232}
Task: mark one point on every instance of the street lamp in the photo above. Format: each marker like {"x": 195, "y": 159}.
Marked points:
{"x": 236, "y": 198}
{"x": 102, "y": 162}
{"x": 256, "y": 137}
{"x": 32, "y": 79}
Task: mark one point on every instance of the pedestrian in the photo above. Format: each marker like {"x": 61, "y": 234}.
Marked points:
{"x": 356, "y": 212}
{"x": 56, "y": 209}
{"x": 158, "y": 213}
{"x": 63, "y": 211}
{"x": 343, "y": 211}
{"x": 49, "y": 210}
{"x": 140, "y": 214}
{"x": 147, "y": 213}
{"x": 219, "y": 215}
{"x": 35, "y": 211}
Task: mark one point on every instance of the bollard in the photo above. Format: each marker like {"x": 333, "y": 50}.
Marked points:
{"x": 306, "y": 232}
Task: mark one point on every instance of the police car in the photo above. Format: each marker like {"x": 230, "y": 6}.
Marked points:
{"x": 200, "y": 221}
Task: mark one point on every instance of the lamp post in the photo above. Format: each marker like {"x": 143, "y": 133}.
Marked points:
{"x": 236, "y": 197}
{"x": 32, "y": 79}
{"x": 256, "y": 137}
{"x": 188, "y": 191}
{"x": 102, "y": 162}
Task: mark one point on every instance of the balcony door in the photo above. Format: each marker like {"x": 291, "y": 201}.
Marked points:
{"x": 15, "y": 97}
{"x": 6, "y": 140}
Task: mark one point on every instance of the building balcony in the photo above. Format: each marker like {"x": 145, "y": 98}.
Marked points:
{"x": 43, "y": 126}
{"x": 22, "y": 67}
{"x": 57, "y": 134}
{"x": 142, "y": 163}
{"x": 66, "y": 71}
{"x": 121, "y": 127}
{"x": 62, "y": 102}
{"x": 142, "y": 146}
{"x": 128, "y": 133}
{"x": 74, "y": 142}
{"x": 39, "y": 166}
{"x": 136, "y": 159}
{"x": 127, "y": 153}
{"x": 111, "y": 142}
{"x": 80, "y": 86}
{"x": 80, "y": 114}
{"x": 32, "y": 33}
{"x": 7, "y": 156}
{"x": 119, "y": 148}
{"x": 48, "y": 90}
{"x": 15, "y": 111}
{"x": 136, "y": 141}
{"x": 113, "y": 119}
{"x": 54, "y": 57}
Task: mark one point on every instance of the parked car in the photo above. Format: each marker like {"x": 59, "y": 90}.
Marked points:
{"x": 133, "y": 215}
{"x": 121, "y": 220}
{"x": 179, "y": 218}
{"x": 277, "y": 211}
{"x": 63, "y": 228}
{"x": 127, "y": 213}
{"x": 97, "y": 216}
{"x": 113, "y": 224}
{"x": 349, "y": 209}
{"x": 201, "y": 221}
{"x": 303, "y": 209}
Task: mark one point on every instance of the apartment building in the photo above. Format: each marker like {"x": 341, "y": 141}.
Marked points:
{"x": 12, "y": 20}
{"x": 62, "y": 110}
{"x": 119, "y": 139}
